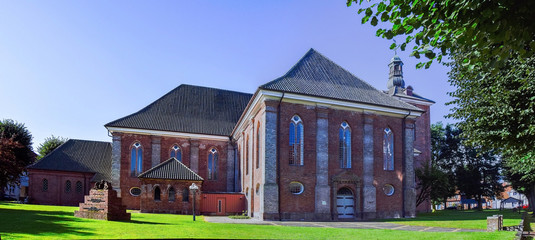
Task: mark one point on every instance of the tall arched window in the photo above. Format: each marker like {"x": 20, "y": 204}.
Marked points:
{"x": 185, "y": 195}
{"x": 212, "y": 164}
{"x": 68, "y": 186}
{"x": 176, "y": 153}
{"x": 136, "y": 159}
{"x": 388, "y": 149}
{"x": 45, "y": 185}
{"x": 171, "y": 195}
{"x": 79, "y": 187}
{"x": 157, "y": 193}
{"x": 247, "y": 156}
{"x": 344, "y": 137}
{"x": 296, "y": 141}
{"x": 258, "y": 145}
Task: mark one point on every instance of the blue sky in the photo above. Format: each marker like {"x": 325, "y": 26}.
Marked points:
{"x": 69, "y": 67}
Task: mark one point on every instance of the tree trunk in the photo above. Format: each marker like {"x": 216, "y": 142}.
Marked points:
{"x": 479, "y": 201}
{"x": 531, "y": 199}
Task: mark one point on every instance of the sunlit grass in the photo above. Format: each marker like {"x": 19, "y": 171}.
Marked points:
{"x": 26, "y": 221}
{"x": 470, "y": 219}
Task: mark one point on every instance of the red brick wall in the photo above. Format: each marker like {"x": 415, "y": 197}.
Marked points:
{"x": 56, "y": 193}
{"x": 422, "y": 142}
{"x": 305, "y": 174}
{"x": 386, "y": 205}
{"x": 164, "y": 205}
{"x": 128, "y": 181}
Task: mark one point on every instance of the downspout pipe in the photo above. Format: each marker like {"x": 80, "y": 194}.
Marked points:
{"x": 403, "y": 161}
{"x": 278, "y": 152}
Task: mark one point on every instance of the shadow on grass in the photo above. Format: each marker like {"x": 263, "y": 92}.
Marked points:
{"x": 39, "y": 222}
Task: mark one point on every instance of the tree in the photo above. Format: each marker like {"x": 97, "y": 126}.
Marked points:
{"x": 438, "y": 28}
{"x": 49, "y": 145}
{"x": 433, "y": 184}
{"x": 15, "y": 151}
{"x": 491, "y": 45}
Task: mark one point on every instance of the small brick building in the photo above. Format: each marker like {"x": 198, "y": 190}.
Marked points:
{"x": 317, "y": 143}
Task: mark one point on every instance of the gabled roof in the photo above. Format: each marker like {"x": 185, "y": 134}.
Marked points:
{"x": 79, "y": 156}
{"x": 318, "y": 76}
{"x": 401, "y": 92}
{"x": 190, "y": 109}
{"x": 171, "y": 169}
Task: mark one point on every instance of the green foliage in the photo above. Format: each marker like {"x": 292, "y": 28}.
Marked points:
{"x": 49, "y": 145}
{"x": 433, "y": 184}
{"x": 438, "y": 28}
{"x": 497, "y": 110}
{"x": 15, "y": 151}
{"x": 474, "y": 171}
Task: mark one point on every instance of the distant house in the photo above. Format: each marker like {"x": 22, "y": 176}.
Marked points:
{"x": 317, "y": 143}
{"x": 510, "y": 198}
{"x": 66, "y": 174}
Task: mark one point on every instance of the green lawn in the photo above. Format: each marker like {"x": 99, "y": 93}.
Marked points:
{"x": 22, "y": 221}
{"x": 471, "y": 219}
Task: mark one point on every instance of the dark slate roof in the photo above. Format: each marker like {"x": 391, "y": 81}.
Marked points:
{"x": 171, "y": 169}
{"x": 318, "y": 76}
{"x": 190, "y": 109}
{"x": 79, "y": 156}
{"x": 400, "y": 92}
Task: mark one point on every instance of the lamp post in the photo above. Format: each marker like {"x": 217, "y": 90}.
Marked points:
{"x": 193, "y": 188}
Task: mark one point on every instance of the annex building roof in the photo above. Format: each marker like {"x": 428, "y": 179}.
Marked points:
{"x": 171, "y": 169}
{"x": 190, "y": 109}
{"x": 79, "y": 156}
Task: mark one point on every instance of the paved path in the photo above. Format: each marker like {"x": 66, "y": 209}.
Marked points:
{"x": 356, "y": 225}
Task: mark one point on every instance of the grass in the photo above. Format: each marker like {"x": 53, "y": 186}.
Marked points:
{"x": 470, "y": 219}
{"x": 26, "y": 221}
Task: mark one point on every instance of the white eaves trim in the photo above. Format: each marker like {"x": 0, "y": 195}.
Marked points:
{"x": 168, "y": 134}
{"x": 413, "y": 100}
{"x": 261, "y": 95}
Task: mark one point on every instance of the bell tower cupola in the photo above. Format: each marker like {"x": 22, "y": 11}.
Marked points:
{"x": 396, "y": 73}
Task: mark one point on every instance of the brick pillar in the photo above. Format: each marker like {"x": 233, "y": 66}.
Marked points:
{"x": 409, "y": 190}
{"x": 369, "y": 190}
{"x": 116, "y": 164}
{"x": 156, "y": 149}
{"x": 194, "y": 155}
{"x": 323, "y": 191}
{"x": 270, "y": 201}
{"x": 230, "y": 167}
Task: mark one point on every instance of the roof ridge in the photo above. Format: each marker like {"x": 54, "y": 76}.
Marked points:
{"x": 141, "y": 175}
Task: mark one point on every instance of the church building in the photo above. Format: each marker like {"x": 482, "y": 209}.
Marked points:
{"x": 316, "y": 144}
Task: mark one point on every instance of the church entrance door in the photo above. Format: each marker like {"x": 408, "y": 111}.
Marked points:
{"x": 345, "y": 203}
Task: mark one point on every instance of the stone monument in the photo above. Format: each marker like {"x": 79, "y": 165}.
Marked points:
{"x": 102, "y": 203}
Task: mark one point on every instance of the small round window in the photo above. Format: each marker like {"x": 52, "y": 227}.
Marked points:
{"x": 135, "y": 191}
{"x": 388, "y": 189}
{"x": 296, "y": 188}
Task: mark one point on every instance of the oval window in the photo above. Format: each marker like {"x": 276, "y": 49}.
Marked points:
{"x": 388, "y": 189}
{"x": 296, "y": 188}
{"x": 135, "y": 191}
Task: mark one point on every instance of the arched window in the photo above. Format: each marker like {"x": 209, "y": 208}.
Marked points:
{"x": 296, "y": 141}
{"x": 45, "y": 185}
{"x": 185, "y": 195}
{"x": 212, "y": 164}
{"x": 157, "y": 193}
{"x": 171, "y": 194}
{"x": 388, "y": 149}
{"x": 344, "y": 137}
{"x": 136, "y": 159}
{"x": 247, "y": 156}
{"x": 258, "y": 145}
{"x": 79, "y": 187}
{"x": 68, "y": 186}
{"x": 176, "y": 153}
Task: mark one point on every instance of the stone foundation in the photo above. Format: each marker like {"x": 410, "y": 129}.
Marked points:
{"x": 103, "y": 205}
